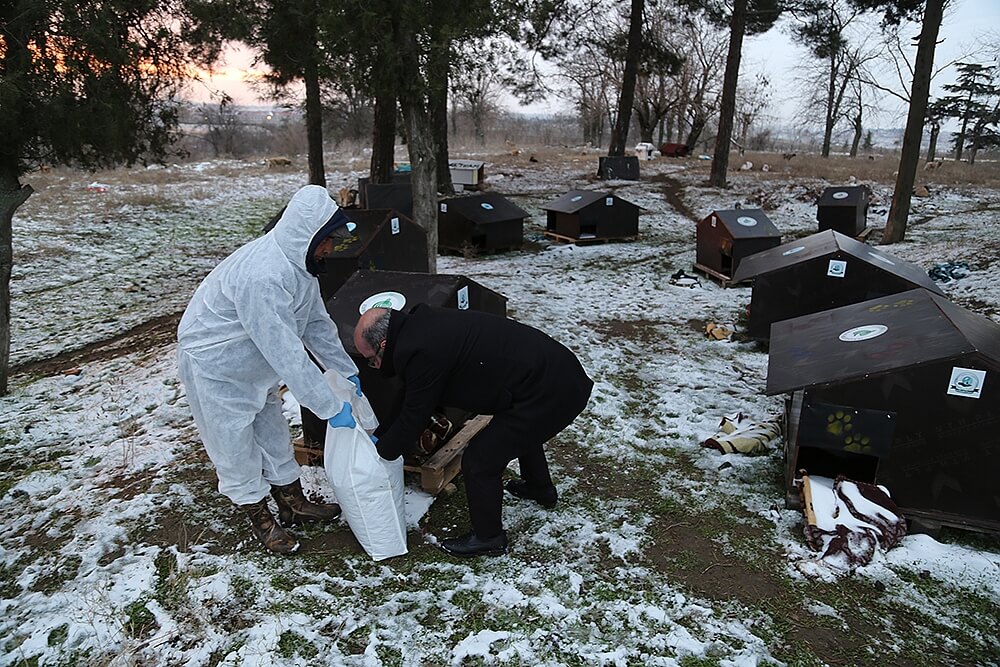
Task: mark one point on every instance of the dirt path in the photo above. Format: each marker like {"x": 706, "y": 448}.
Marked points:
{"x": 672, "y": 191}
{"x": 153, "y": 333}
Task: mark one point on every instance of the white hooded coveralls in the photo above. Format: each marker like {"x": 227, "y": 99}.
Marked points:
{"x": 247, "y": 328}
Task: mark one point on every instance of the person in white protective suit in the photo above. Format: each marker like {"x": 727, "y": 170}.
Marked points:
{"x": 248, "y": 327}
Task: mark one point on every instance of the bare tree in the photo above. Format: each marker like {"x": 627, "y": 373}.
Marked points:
{"x": 841, "y": 44}
{"x": 751, "y": 102}
{"x": 478, "y": 81}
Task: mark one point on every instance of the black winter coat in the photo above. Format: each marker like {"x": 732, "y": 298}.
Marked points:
{"x": 474, "y": 361}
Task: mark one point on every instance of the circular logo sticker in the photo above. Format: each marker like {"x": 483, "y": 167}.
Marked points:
{"x": 792, "y": 251}
{"x": 393, "y": 300}
{"x": 840, "y": 194}
{"x": 746, "y": 221}
{"x": 577, "y": 198}
{"x": 966, "y": 383}
{"x": 866, "y": 332}
{"x": 488, "y": 206}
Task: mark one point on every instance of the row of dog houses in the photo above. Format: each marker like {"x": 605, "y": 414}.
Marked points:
{"x": 885, "y": 380}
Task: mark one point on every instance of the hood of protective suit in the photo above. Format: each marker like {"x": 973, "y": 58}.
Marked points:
{"x": 311, "y": 216}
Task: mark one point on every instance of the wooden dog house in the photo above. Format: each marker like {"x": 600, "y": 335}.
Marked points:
{"x": 724, "y": 238}
{"x": 822, "y": 271}
{"x": 398, "y": 194}
{"x": 586, "y": 215}
{"x": 485, "y": 222}
{"x": 401, "y": 291}
{"x": 619, "y": 168}
{"x": 381, "y": 240}
{"x": 902, "y": 391}
{"x": 843, "y": 209}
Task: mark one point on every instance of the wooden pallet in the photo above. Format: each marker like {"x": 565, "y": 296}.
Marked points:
{"x": 442, "y": 466}
{"x": 589, "y": 241}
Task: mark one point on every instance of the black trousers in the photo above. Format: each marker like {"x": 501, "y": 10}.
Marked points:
{"x": 516, "y": 433}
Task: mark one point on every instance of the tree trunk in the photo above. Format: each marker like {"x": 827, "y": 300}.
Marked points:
{"x": 314, "y": 126}
{"x": 727, "y": 106}
{"x": 858, "y": 131}
{"x": 423, "y": 160}
{"x": 932, "y": 142}
{"x": 619, "y": 133}
{"x": 12, "y": 195}
{"x": 383, "y": 138}
{"x": 697, "y": 126}
{"x": 437, "y": 98}
{"x": 899, "y": 211}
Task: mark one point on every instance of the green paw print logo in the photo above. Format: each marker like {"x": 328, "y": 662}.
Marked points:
{"x": 838, "y": 423}
{"x": 858, "y": 444}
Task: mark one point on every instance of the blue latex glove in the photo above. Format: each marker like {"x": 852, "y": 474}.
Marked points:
{"x": 374, "y": 439}
{"x": 343, "y": 419}
{"x": 357, "y": 384}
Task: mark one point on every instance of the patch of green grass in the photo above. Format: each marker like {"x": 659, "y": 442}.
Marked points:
{"x": 291, "y": 644}
{"x": 57, "y": 635}
{"x": 139, "y": 621}
{"x": 390, "y": 656}
{"x": 695, "y": 661}
{"x": 63, "y": 570}
{"x": 9, "y": 588}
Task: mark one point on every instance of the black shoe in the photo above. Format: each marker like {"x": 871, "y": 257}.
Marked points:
{"x": 468, "y": 545}
{"x": 545, "y": 496}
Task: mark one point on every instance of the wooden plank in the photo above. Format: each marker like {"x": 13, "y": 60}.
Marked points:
{"x": 443, "y": 465}
{"x": 724, "y": 280}
{"x": 587, "y": 241}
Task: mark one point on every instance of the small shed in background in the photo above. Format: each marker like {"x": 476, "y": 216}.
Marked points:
{"x": 902, "y": 391}
{"x": 843, "y": 209}
{"x": 383, "y": 240}
{"x": 822, "y": 271}
{"x": 485, "y": 222}
{"x": 467, "y": 173}
{"x": 725, "y": 237}
{"x": 589, "y": 215}
{"x": 401, "y": 291}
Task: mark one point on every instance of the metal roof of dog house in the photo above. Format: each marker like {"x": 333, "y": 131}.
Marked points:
{"x": 485, "y": 207}
{"x": 876, "y": 337}
{"x": 822, "y": 271}
{"x": 745, "y": 223}
{"x": 577, "y": 200}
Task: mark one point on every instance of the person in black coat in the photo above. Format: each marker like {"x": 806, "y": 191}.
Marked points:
{"x": 486, "y": 364}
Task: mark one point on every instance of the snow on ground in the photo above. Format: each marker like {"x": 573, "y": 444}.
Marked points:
{"x": 115, "y": 547}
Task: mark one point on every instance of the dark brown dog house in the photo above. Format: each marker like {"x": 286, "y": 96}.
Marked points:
{"x": 486, "y": 222}
{"x": 618, "y": 168}
{"x": 903, "y": 391}
{"x": 383, "y": 240}
{"x": 398, "y": 194}
{"x": 401, "y": 291}
{"x": 822, "y": 271}
{"x": 843, "y": 209}
{"x": 724, "y": 238}
{"x": 586, "y": 214}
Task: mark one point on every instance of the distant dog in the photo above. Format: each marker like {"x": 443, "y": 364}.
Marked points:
{"x": 930, "y": 166}
{"x": 276, "y": 162}
{"x": 788, "y": 156}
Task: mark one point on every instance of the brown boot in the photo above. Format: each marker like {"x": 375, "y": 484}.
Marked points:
{"x": 293, "y": 508}
{"x": 267, "y": 530}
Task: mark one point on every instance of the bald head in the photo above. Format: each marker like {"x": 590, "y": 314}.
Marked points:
{"x": 371, "y": 332}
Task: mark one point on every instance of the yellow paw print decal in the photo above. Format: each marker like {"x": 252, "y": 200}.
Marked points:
{"x": 838, "y": 423}
{"x": 858, "y": 444}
